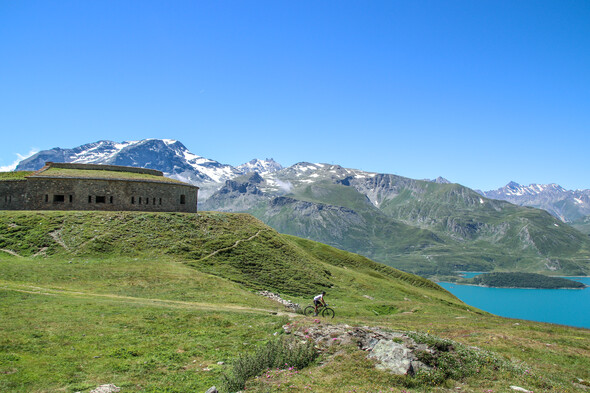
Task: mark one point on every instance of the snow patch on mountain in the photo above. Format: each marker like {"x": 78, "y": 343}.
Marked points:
{"x": 261, "y": 166}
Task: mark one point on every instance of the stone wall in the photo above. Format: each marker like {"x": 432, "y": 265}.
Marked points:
{"x": 38, "y": 193}
{"x": 13, "y": 194}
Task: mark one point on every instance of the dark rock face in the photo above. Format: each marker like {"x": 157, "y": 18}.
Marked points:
{"x": 237, "y": 195}
{"x": 232, "y": 187}
{"x": 313, "y": 220}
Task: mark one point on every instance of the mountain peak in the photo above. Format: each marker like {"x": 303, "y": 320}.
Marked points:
{"x": 564, "y": 204}
{"x": 167, "y": 155}
{"x": 441, "y": 180}
{"x": 263, "y": 167}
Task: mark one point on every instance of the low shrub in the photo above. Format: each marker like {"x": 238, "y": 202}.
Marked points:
{"x": 452, "y": 360}
{"x": 281, "y": 353}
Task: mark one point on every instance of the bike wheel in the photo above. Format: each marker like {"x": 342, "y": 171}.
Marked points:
{"x": 328, "y": 313}
{"x": 309, "y": 311}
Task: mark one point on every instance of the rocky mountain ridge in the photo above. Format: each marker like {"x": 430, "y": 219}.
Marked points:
{"x": 423, "y": 226}
{"x": 176, "y": 161}
{"x": 567, "y": 205}
{"x": 420, "y": 226}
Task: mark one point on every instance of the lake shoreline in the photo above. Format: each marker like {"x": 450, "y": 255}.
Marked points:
{"x": 560, "y": 307}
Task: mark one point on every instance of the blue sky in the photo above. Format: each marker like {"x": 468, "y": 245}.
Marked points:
{"x": 480, "y": 92}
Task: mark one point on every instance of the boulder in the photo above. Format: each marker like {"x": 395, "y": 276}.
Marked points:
{"x": 108, "y": 388}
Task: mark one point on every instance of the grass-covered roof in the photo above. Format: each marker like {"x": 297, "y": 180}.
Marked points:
{"x": 20, "y": 175}
{"x": 103, "y": 174}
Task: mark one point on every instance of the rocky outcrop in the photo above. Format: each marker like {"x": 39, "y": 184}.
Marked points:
{"x": 108, "y": 388}
{"x": 396, "y": 352}
{"x": 277, "y": 298}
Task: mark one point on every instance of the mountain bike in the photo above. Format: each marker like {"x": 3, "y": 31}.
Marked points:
{"x": 324, "y": 311}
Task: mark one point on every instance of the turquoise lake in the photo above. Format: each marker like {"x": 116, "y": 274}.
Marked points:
{"x": 562, "y": 306}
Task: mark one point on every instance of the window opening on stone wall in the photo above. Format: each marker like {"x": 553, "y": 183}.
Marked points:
{"x": 110, "y": 199}
{"x": 59, "y": 198}
{"x": 101, "y": 199}
{"x": 46, "y": 198}
{"x": 140, "y": 200}
{"x": 133, "y": 200}
{"x": 147, "y": 200}
{"x": 89, "y": 198}
{"x": 160, "y": 202}
{"x": 71, "y": 198}
{"x": 182, "y": 199}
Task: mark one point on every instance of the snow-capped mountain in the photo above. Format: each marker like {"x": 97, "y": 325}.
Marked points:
{"x": 567, "y": 205}
{"x": 385, "y": 216}
{"x": 166, "y": 155}
{"x": 261, "y": 166}
{"x": 176, "y": 161}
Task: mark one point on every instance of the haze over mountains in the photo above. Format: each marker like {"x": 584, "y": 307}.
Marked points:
{"x": 426, "y": 227}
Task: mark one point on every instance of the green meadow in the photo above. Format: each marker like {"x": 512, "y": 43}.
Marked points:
{"x": 165, "y": 302}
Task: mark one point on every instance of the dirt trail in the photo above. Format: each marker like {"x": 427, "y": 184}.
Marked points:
{"x": 10, "y": 252}
{"x": 232, "y": 246}
{"x": 9, "y": 286}
{"x": 137, "y": 300}
{"x": 56, "y": 235}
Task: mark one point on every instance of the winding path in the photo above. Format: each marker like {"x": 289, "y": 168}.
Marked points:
{"x": 232, "y": 246}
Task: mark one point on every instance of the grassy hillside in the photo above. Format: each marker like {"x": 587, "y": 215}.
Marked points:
{"x": 582, "y": 225}
{"x": 152, "y": 302}
{"x": 429, "y": 229}
{"x": 418, "y": 226}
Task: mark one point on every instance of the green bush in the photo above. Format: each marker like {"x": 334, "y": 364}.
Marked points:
{"x": 281, "y": 353}
{"x": 452, "y": 360}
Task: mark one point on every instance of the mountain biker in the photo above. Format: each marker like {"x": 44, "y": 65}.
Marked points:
{"x": 317, "y": 300}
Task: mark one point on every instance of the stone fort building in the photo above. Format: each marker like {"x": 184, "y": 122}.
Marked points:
{"x": 67, "y": 186}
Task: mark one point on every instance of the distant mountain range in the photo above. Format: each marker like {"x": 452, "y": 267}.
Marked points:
{"x": 567, "y": 205}
{"x": 166, "y": 155}
{"x": 424, "y": 226}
